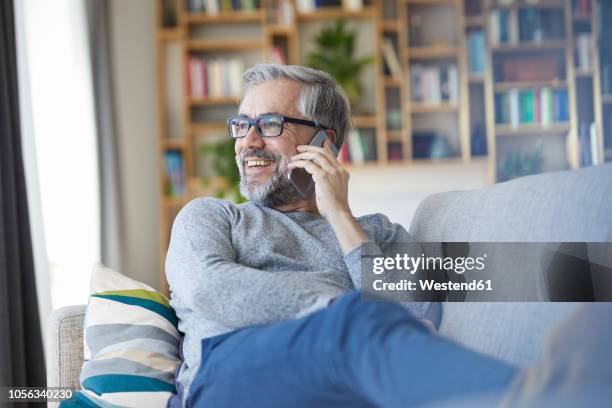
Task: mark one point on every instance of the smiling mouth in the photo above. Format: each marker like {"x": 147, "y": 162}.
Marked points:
{"x": 259, "y": 163}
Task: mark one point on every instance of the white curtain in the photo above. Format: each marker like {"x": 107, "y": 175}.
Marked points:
{"x": 61, "y": 154}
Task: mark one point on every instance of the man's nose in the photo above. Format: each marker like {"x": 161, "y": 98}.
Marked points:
{"x": 252, "y": 139}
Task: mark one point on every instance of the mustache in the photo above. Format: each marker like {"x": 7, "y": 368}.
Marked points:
{"x": 259, "y": 153}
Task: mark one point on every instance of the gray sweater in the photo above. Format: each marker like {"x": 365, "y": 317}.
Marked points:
{"x": 231, "y": 266}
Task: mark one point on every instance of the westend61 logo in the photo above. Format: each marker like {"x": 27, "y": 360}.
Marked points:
{"x": 413, "y": 264}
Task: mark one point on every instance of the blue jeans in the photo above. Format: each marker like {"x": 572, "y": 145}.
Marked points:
{"x": 351, "y": 354}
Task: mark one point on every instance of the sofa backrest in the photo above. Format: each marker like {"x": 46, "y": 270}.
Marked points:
{"x": 552, "y": 207}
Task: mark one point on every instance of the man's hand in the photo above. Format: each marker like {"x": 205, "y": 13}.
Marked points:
{"x": 330, "y": 177}
{"x": 331, "y": 189}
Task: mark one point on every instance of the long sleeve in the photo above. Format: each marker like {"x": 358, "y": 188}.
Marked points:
{"x": 387, "y": 239}
{"x": 205, "y": 278}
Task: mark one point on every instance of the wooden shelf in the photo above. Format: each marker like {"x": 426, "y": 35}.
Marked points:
{"x": 329, "y": 13}
{"x": 281, "y": 30}
{"x": 255, "y": 16}
{"x": 606, "y": 99}
{"x": 540, "y": 4}
{"x": 476, "y": 78}
{"x": 391, "y": 26}
{"x": 364, "y": 121}
{"x": 506, "y": 86}
{"x": 528, "y": 47}
{"x": 225, "y": 45}
{"x": 581, "y": 19}
{"x": 169, "y": 34}
{"x": 474, "y": 21}
{"x": 175, "y": 201}
{"x": 531, "y": 129}
{"x": 173, "y": 143}
{"x": 432, "y": 52}
{"x": 581, "y": 73}
{"x": 392, "y": 81}
{"x": 229, "y": 100}
{"x": 418, "y": 107}
{"x": 395, "y": 136}
{"x": 428, "y": 2}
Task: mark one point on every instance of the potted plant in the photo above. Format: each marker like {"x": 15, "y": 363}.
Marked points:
{"x": 335, "y": 46}
{"x": 226, "y": 182}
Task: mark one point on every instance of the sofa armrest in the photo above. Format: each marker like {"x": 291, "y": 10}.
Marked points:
{"x": 65, "y": 346}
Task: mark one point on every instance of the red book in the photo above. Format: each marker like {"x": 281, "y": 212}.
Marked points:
{"x": 204, "y": 67}
{"x": 343, "y": 156}
{"x": 187, "y": 67}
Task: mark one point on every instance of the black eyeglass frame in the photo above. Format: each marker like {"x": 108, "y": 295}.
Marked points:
{"x": 254, "y": 122}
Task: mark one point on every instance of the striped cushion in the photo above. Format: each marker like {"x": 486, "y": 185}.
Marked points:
{"x": 131, "y": 342}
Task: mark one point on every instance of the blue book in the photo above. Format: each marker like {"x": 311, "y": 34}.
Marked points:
{"x": 504, "y": 36}
{"x": 476, "y": 50}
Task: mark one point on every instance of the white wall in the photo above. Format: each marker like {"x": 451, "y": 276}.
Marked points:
{"x": 133, "y": 53}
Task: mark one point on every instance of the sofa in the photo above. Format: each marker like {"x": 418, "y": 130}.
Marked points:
{"x": 552, "y": 207}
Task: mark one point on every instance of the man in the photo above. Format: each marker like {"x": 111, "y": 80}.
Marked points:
{"x": 262, "y": 289}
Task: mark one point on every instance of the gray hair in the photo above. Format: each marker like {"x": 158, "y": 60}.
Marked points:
{"x": 321, "y": 100}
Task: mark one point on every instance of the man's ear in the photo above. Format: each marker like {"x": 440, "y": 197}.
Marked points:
{"x": 331, "y": 134}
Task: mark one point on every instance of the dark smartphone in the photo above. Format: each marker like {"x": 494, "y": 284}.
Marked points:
{"x": 300, "y": 179}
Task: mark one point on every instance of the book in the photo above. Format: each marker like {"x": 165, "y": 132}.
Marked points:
{"x": 175, "y": 173}
{"x": 494, "y": 27}
{"x": 305, "y": 6}
{"x": 395, "y": 151}
{"x": 391, "y": 59}
{"x": 546, "y": 106}
{"x": 593, "y": 142}
{"x": 476, "y": 52}
{"x": 453, "y": 83}
{"x": 584, "y": 57}
{"x": 355, "y": 147}
{"x": 513, "y": 99}
{"x": 353, "y": 5}
{"x": 526, "y": 107}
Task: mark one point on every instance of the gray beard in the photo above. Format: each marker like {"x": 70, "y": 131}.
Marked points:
{"x": 275, "y": 192}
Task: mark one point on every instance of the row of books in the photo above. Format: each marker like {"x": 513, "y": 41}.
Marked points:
{"x": 175, "y": 173}
{"x": 542, "y": 106}
{"x": 307, "y": 6}
{"x": 214, "y": 7}
{"x": 213, "y": 78}
{"x": 434, "y": 84}
{"x": 358, "y": 148}
{"x": 581, "y": 8}
{"x": 528, "y": 25}
{"x": 476, "y": 52}
{"x": 281, "y": 12}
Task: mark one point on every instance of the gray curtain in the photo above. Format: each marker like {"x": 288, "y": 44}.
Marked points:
{"x": 21, "y": 348}
{"x": 110, "y": 187}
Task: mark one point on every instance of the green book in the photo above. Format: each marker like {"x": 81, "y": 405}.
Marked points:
{"x": 526, "y": 106}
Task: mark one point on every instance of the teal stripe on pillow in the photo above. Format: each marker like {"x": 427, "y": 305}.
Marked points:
{"x": 102, "y": 384}
{"x": 81, "y": 400}
{"x": 151, "y": 305}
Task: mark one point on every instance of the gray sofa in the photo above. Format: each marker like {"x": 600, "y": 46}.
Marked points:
{"x": 562, "y": 206}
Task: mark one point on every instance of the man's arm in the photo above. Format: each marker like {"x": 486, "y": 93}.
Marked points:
{"x": 331, "y": 189}
{"x": 204, "y": 276}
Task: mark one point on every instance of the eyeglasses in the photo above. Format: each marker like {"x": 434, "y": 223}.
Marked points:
{"x": 266, "y": 125}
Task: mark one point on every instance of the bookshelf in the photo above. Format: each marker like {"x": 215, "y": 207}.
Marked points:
{"x": 555, "y": 44}
{"x": 430, "y": 96}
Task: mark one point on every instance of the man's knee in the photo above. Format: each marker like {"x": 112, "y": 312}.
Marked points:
{"x": 355, "y": 317}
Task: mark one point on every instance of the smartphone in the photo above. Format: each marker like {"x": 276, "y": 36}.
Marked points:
{"x": 300, "y": 179}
